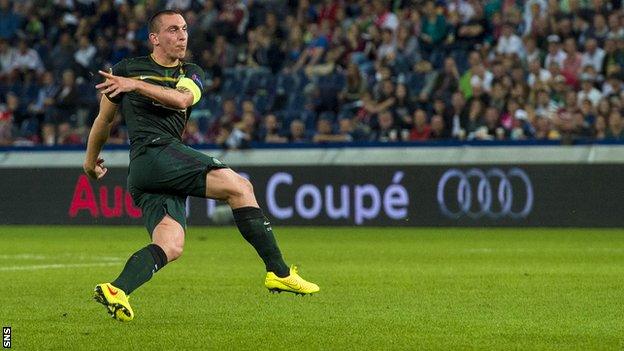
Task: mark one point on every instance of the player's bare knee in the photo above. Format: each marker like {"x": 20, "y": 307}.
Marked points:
{"x": 169, "y": 235}
{"x": 246, "y": 186}
{"x": 172, "y": 249}
{"x": 174, "y": 252}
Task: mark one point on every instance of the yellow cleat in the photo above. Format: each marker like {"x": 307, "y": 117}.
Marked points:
{"x": 293, "y": 283}
{"x": 115, "y": 301}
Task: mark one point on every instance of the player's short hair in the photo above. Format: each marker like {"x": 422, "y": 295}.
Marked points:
{"x": 154, "y": 21}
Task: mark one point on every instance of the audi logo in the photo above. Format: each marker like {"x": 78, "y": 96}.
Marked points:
{"x": 494, "y": 194}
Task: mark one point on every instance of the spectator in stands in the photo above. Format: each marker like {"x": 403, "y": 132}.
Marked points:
{"x": 387, "y": 130}
{"x": 231, "y": 21}
{"x": 325, "y": 134}
{"x": 593, "y": 55}
{"x": 242, "y": 134}
{"x": 315, "y": 50}
{"x": 616, "y": 125}
{"x": 457, "y": 115}
{"x": 44, "y": 102}
{"x": 421, "y": 130}
{"x": 7, "y": 58}
{"x": 407, "y": 45}
{"x": 490, "y": 128}
{"x": 588, "y": 91}
{"x": 600, "y": 128}
{"x": 509, "y": 43}
{"x": 249, "y": 107}
{"x": 474, "y": 60}
{"x": 62, "y": 55}
{"x": 474, "y": 118}
{"x": 84, "y": 56}
{"x": 270, "y": 131}
{"x": 434, "y": 29}
{"x": 192, "y": 134}
{"x": 446, "y": 83}
{"x": 208, "y": 16}
{"x": 438, "y": 129}
{"x": 297, "y": 132}
{"x": 403, "y": 107}
{"x": 26, "y": 58}
{"x": 224, "y": 52}
{"x": 385, "y": 96}
{"x": 63, "y": 114}
{"x": 228, "y": 118}
{"x": 531, "y": 50}
{"x": 612, "y": 85}
{"x": 555, "y": 53}
{"x": 571, "y": 67}
{"x": 10, "y": 22}
{"x": 66, "y": 135}
{"x": 388, "y": 47}
{"x": 355, "y": 86}
{"x": 349, "y": 132}
{"x": 614, "y": 57}
{"x": 537, "y": 74}
{"x": 213, "y": 72}
{"x": 599, "y": 28}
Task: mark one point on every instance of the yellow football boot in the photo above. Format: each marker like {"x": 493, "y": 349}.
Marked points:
{"x": 115, "y": 301}
{"x": 292, "y": 283}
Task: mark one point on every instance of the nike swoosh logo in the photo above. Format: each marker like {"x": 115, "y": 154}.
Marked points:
{"x": 111, "y": 291}
{"x": 293, "y": 284}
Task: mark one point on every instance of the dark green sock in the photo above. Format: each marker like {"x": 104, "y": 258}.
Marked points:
{"x": 140, "y": 268}
{"x": 256, "y": 229}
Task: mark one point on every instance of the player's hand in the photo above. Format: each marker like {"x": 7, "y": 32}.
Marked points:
{"x": 114, "y": 85}
{"x": 95, "y": 171}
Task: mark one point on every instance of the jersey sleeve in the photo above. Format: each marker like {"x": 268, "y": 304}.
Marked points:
{"x": 119, "y": 69}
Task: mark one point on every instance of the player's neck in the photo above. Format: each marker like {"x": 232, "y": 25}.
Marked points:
{"x": 163, "y": 60}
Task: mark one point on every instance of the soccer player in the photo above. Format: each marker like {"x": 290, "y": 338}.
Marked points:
{"x": 155, "y": 94}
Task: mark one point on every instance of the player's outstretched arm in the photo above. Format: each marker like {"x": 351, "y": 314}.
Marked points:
{"x": 93, "y": 164}
{"x": 179, "y": 98}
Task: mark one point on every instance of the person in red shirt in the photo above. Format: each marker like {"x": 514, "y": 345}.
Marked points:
{"x": 421, "y": 130}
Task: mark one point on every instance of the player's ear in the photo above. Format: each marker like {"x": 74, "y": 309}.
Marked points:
{"x": 153, "y": 37}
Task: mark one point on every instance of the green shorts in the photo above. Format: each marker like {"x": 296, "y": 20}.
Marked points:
{"x": 161, "y": 177}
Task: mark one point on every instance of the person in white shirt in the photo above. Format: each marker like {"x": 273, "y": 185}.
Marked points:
{"x": 509, "y": 43}
{"x": 555, "y": 53}
{"x": 612, "y": 86}
{"x": 593, "y": 55}
{"x": 531, "y": 51}
{"x": 537, "y": 74}
{"x": 27, "y": 58}
{"x": 85, "y": 53}
{"x": 588, "y": 91}
{"x": 482, "y": 77}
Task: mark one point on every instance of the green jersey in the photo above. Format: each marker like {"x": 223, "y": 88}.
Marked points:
{"x": 148, "y": 121}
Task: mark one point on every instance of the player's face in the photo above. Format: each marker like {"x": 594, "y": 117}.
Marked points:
{"x": 172, "y": 36}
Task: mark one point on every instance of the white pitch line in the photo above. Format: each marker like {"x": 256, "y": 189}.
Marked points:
{"x": 22, "y": 257}
{"x": 58, "y": 265}
{"x": 73, "y": 256}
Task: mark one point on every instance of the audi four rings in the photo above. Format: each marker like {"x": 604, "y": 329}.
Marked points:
{"x": 479, "y": 202}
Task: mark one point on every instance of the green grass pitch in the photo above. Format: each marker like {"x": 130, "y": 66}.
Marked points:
{"x": 381, "y": 288}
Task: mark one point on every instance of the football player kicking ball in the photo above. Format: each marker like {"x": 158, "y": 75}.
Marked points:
{"x": 155, "y": 93}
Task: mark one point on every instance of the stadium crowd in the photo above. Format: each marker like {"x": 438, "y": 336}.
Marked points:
{"x": 305, "y": 71}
